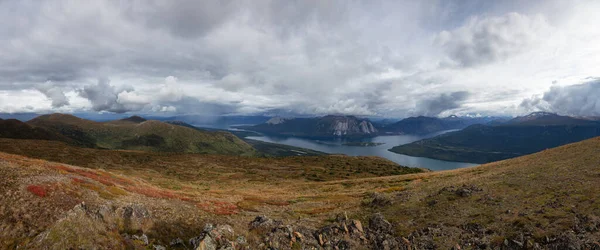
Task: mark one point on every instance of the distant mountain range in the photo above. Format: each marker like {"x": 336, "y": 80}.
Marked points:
{"x": 319, "y": 127}
{"x": 351, "y": 126}
{"x": 133, "y": 133}
{"x": 519, "y": 136}
{"x": 423, "y": 125}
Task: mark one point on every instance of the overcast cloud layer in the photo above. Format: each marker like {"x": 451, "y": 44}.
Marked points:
{"x": 370, "y": 58}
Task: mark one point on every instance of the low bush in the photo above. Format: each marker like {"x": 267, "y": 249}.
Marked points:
{"x": 37, "y": 190}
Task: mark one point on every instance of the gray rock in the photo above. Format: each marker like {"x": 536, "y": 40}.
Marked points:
{"x": 225, "y": 230}
{"x": 380, "y": 200}
{"x": 241, "y": 240}
{"x": 208, "y": 243}
{"x": 208, "y": 227}
{"x": 264, "y": 222}
{"x": 159, "y": 247}
{"x": 176, "y": 242}
{"x": 358, "y": 225}
{"x": 378, "y": 224}
{"x": 195, "y": 242}
{"x": 143, "y": 238}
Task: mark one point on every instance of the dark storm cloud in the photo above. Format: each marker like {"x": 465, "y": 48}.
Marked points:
{"x": 439, "y": 104}
{"x": 487, "y": 40}
{"x": 581, "y": 99}
{"x": 185, "y": 18}
{"x": 190, "y": 105}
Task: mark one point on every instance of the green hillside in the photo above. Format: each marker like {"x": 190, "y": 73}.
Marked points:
{"x": 136, "y": 134}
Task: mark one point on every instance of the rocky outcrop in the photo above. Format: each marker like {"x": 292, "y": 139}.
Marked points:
{"x": 276, "y": 120}
{"x": 86, "y": 228}
{"x": 109, "y": 227}
{"x": 348, "y": 125}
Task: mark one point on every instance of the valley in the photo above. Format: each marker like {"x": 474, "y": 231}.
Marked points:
{"x": 384, "y": 143}
{"x": 62, "y": 170}
{"x": 299, "y": 125}
{"x": 175, "y": 196}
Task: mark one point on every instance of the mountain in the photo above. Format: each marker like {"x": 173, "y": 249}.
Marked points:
{"x": 319, "y": 127}
{"x": 56, "y": 196}
{"x": 15, "y": 129}
{"x": 265, "y": 149}
{"x": 423, "y": 125}
{"x": 520, "y": 136}
{"x": 136, "y": 133}
{"x": 134, "y": 119}
{"x": 548, "y": 119}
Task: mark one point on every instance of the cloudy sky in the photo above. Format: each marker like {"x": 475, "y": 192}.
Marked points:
{"x": 310, "y": 57}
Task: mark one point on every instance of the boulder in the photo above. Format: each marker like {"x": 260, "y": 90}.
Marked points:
{"x": 263, "y": 222}
{"x": 177, "y": 243}
{"x": 358, "y": 226}
{"x": 203, "y": 242}
{"x": 142, "y": 238}
{"x": 378, "y": 224}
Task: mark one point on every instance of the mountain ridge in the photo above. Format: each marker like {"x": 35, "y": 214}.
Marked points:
{"x": 140, "y": 134}
{"x": 519, "y": 136}
{"x": 422, "y": 125}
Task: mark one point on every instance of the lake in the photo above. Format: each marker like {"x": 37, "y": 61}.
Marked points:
{"x": 337, "y": 147}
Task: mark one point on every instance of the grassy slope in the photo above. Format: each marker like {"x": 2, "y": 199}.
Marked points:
{"x": 544, "y": 194}
{"x": 16, "y": 129}
{"x": 549, "y": 193}
{"x": 147, "y": 135}
{"x": 264, "y": 148}
{"x": 277, "y": 150}
{"x": 183, "y": 190}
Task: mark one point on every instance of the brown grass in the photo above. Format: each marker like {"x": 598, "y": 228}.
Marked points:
{"x": 561, "y": 183}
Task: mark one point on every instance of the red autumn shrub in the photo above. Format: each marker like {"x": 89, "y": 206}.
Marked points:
{"x": 185, "y": 199}
{"x": 78, "y": 180}
{"x": 37, "y": 190}
{"x": 218, "y": 207}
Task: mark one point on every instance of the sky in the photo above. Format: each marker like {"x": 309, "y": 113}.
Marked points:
{"x": 312, "y": 57}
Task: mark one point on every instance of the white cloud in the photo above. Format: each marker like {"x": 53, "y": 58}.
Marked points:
{"x": 170, "y": 91}
{"x": 54, "y": 93}
{"x": 579, "y": 99}
{"x": 311, "y": 57}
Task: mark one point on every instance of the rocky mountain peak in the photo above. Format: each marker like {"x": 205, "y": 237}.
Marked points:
{"x": 346, "y": 125}
{"x": 276, "y": 120}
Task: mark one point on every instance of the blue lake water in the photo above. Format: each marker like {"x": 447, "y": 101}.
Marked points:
{"x": 337, "y": 147}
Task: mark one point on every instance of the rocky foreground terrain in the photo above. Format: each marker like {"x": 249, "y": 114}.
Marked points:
{"x": 105, "y": 199}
